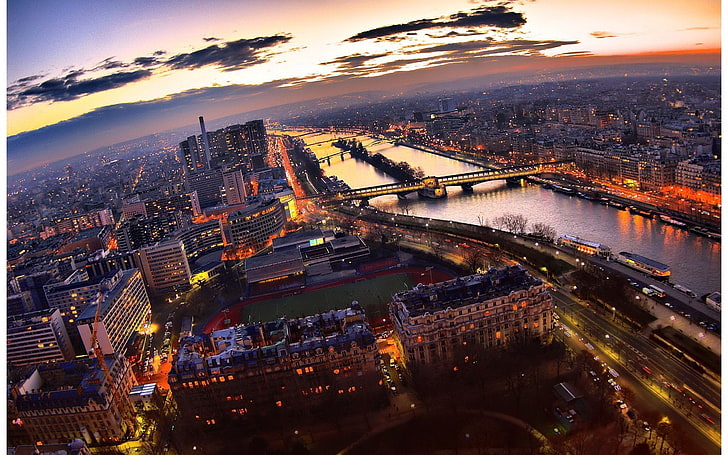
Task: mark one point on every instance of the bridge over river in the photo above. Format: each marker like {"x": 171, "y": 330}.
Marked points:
{"x": 434, "y": 187}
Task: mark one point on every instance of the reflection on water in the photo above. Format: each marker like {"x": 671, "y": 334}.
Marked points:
{"x": 695, "y": 260}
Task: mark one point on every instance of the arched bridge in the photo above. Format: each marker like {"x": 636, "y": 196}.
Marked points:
{"x": 434, "y": 187}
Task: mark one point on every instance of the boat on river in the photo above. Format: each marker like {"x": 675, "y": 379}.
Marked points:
{"x": 656, "y": 270}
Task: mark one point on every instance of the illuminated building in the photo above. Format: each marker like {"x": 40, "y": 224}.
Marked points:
{"x": 233, "y": 191}
{"x": 165, "y": 267}
{"x": 140, "y": 231}
{"x": 124, "y": 309}
{"x": 75, "y": 293}
{"x": 186, "y": 204}
{"x": 490, "y": 310}
{"x": 62, "y": 401}
{"x": 255, "y": 226}
{"x": 200, "y": 239}
{"x": 37, "y": 337}
{"x": 279, "y": 366}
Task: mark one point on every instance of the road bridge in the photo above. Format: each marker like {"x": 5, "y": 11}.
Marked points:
{"x": 434, "y": 187}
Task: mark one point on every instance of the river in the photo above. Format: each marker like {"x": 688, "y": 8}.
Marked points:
{"x": 695, "y": 260}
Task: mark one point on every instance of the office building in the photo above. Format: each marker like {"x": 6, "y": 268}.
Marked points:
{"x": 123, "y": 311}
{"x": 254, "y": 227}
{"x": 37, "y": 337}
{"x": 233, "y": 190}
{"x": 165, "y": 267}
{"x": 492, "y": 310}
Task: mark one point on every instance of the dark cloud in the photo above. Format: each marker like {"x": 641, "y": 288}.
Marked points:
{"x": 76, "y": 82}
{"x": 109, "y": 64}
{"x": 355, "y": 60}
{"x": 230, "y": 56}
{"x": 69, "y": 87}
{"x": 485, "y": 16}
{"x": 490, "y": 46}
{"x": 602, "y": 34}
{"x": 146, "y": 61}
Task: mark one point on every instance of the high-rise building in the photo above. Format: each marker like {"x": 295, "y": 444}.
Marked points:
{"x": 37, "y": 337}
{"x": 61, "y": 401}
{"x": 233, "y": 191}
{"x": 276, "y": 366}
{"x": 141, "y": 231}
{"x": 165, "y": 267}
{"x": 490, "y": 310}
{"x": 207, "y": 184}
{"x": 123, "y": 310}
{"x": 75, "y": 293}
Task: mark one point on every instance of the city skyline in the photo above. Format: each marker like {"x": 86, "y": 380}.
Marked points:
{"x": 125, "y": 71}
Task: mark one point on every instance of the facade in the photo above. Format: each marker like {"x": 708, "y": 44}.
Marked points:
{"x": 141, "y": 231}
{"x": 200, "y": 239}
{"x": 38, "y": 337}
{"x": 699, "y": 175}
{"x": 207, "y": 184}
{"x": 255, "y": 226}
{"x": 62, "y": 401}
{"x": 124, "y": 309}
{"x": 233, "y": 191}
{"x": 165, "y": 267}
{"x": 75, "y": 293}
{"x": 278, "y": 366}
{"x": 491, "y": 310}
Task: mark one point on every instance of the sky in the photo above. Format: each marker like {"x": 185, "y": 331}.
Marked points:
{"x": 86, "y": 74}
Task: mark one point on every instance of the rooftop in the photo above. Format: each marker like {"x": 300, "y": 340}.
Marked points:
{"x": 249, "y": 344}
{"x": 462, "y": 291}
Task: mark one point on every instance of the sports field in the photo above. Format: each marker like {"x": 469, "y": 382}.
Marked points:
{"x": 372, "y": 293}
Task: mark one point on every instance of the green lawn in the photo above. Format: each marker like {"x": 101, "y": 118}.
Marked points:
{"x": 373, "y": 294}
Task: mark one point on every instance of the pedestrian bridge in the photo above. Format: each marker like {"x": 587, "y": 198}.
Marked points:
{"x": 434, "y": 186}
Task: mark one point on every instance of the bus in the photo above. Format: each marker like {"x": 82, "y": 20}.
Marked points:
{"x": 658, "y": 292}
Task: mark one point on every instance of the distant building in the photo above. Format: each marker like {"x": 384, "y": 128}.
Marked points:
{"x": 277, "y": 366}
{"x": 67, "y": 400}
{"x": 124, "y": 308}
{"x": 233, "y": 190}
{"x": 141, "y": 231}
{"x": 19, "y": 303}
{"x": 492, "y": 310}
{"x": 37, "y": 337}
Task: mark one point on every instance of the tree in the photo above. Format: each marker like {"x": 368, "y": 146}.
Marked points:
{"x": 544, "y": 231}
{"x": 473, "y": 260}
{"x": 511, "y": 222}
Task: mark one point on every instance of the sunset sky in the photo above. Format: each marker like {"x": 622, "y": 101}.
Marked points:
{"x": 84, "y": 74}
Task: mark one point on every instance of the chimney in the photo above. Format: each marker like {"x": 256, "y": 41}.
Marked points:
{"x": 205, "y": 143}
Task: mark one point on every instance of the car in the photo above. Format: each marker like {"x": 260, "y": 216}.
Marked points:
{"x": 646, "y": 426}
{"x": 621, "y": 404}
{"x": 617, "y": 387}
{"x": 393, "y": 389}
{"x": 631, "y": 414}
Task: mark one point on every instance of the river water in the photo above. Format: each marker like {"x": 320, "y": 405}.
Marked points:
{"x": 695, "y": 260}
